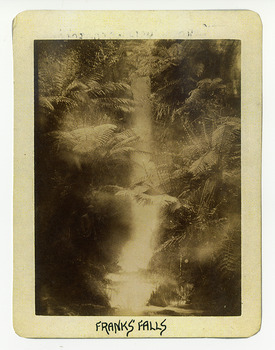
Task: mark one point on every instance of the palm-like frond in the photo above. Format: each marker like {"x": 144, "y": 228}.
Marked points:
{"x": 91, "y": 138}
{"x": 45, "y": 103}
{"x": 114, "y": 103}
{"x": 229, "y": 257}
{"x": 125, "y": 142}
{"x": 119, "y": 152}
{"x": 62, "y": 100}
{"x": 206, "y": 88}
{"x": 205, "y": 163}
{"x": 85, "y": 140}
{"x": 63, "y": 88}
{"x": 99, "y": 142}
{"x": 76, "y": 85}
{"x": 171, "y": 244}
{"x": 117, "y": 89}
{"x": 163, "y": 201}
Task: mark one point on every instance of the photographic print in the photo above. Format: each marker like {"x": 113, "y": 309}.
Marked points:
{"x": 138, "y": 175}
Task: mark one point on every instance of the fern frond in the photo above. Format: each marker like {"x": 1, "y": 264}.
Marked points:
{"x": 122, "y": 150}
{"x": 229, "y": 257}
{"x": 76, "y": 86}
{"x": 45, "y": 103}
{"x": 204, "y": 163}
{"x": 80, "y": 97}
{"x": 90, "y": 138}
{"x": 217, "y": 136}
{"x": 169, "y": 202}
{"x": 126, "y": 142}
{"x": 191, "y": 152}
{"x": 162, "y": 201}
{"x": 62, "y": 101}
{"x": 170, "y": 244}
{"x": 85, "y": 140}
{"x": 207, "y": 194}
{"x": 64, "y": 140}
{"x": 95, "y": 90}
{"x": 112, "y": 88}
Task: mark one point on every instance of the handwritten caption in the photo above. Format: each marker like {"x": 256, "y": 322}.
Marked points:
{"x": 118, "y": 35}
{"x": 129, "y": 326}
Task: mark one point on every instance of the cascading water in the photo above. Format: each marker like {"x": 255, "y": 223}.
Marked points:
{"x": 132, "y": 287}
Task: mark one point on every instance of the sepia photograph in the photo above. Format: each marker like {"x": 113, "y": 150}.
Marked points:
{"x": 137, "y": 187}
{"x": 137, "y": 177}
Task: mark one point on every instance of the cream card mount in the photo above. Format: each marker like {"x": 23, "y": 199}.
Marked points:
{"x": 137, "y": 162}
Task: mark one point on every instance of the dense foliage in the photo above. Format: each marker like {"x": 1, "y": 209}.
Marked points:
{"x": 84, "y": 142}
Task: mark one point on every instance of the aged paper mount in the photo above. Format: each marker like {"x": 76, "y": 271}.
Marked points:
{"x": 137, "y": 203}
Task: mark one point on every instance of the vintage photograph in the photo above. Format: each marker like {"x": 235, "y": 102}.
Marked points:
{"x": 137, "y": 177}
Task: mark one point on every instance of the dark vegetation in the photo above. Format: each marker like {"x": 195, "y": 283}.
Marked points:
{"x": 83, "y": 145}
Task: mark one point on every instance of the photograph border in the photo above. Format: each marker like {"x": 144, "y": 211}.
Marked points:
{"x": 36, "y": 25}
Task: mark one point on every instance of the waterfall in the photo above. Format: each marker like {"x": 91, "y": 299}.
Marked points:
{"x": 133, "y": 285}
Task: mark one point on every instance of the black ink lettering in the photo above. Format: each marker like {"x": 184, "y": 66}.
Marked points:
{"x": 131, "y": 327}
{"x": 124, "y": 325}
{"x": 157, "y": 327}
{"x": 163, "y": 325}
{"x": 111, "y": 327}
{"x": 117, "y": 326}
{"x": 146, "y": 324}
{"x": 97, "y": 325}
{"x": 105, "y": 326}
